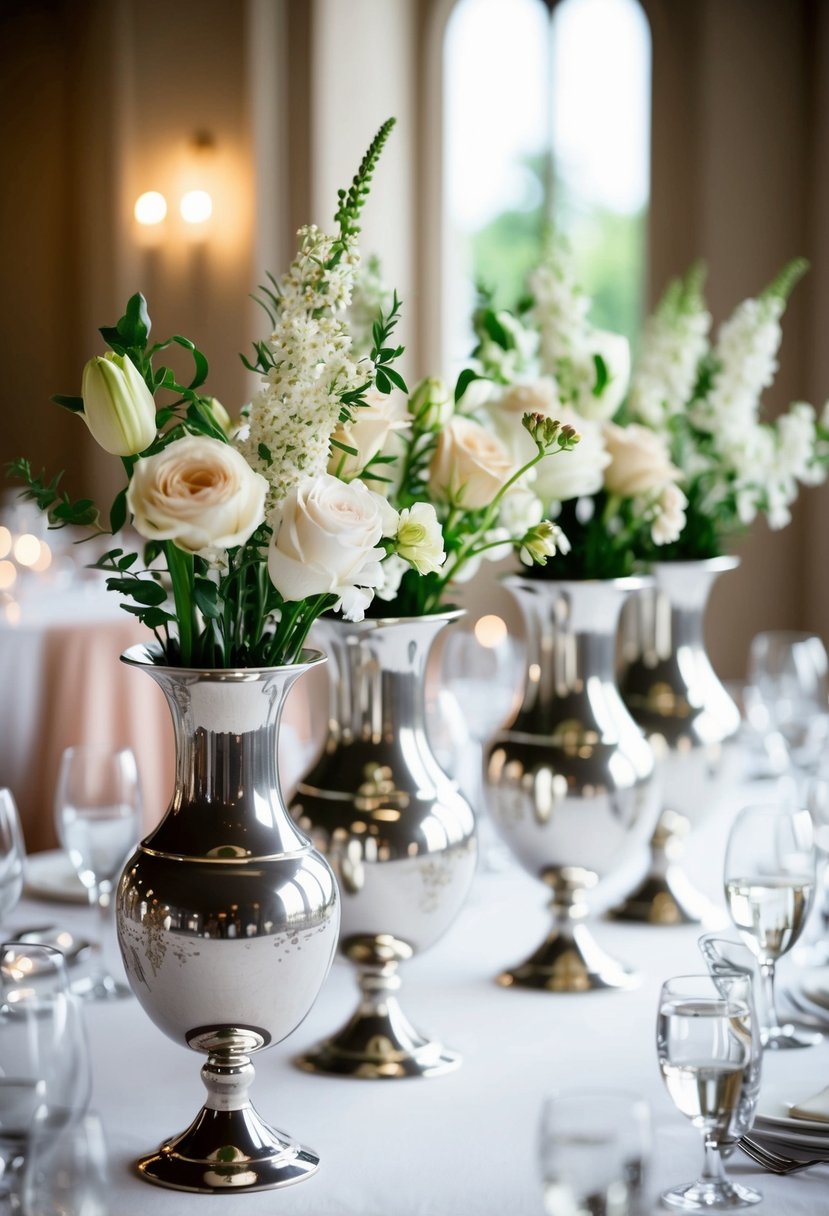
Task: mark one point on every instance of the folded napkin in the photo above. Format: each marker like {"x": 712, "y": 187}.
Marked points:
{"x": 816, "y": 1107}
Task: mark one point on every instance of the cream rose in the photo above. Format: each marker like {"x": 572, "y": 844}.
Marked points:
{"x": 371, "y": 434}
{"x": 326, "y": 537}
{"x": 198, "y": 492}
{"x": 639, "y": 460}
{"x": 469, "y": 465}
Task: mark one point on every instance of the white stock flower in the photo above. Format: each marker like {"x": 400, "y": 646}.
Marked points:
{"x": 796, "y": 435}
{"x": 469, "y": 465}
{"x": 746, "y": 356}
{"x": 419, "y": 538}
{"x": 674, "y": 340}
{"x": 639, "y": 460}
{"x": 369, "y": 434}
{"x": 198, "y": 492}
{"x": 326, "y": 538}
{"x": 670, "y": 517}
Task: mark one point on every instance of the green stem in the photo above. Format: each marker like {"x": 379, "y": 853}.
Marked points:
{"x": 180, "y": 566}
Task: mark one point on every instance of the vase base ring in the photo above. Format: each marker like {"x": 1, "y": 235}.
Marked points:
{"x": 569, "y": 961}
{"x": 228, "y": 1151}
{"x": 667, "y": 899}
{"x": 379, "y": 1046}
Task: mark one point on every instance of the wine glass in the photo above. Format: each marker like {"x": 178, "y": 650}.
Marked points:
{"x": 594, "y": 1147}
{"x": 479, "y": 670}
{"x": 12, "y": 855}
{"x": 787, "y": 695}
{"x": 67, "y": 1173}
{"x": 709, "y": 1062}
{"x": 98, "y": 817}
{"x": 769, "y": 887}
{"x": 44, "y": 1059}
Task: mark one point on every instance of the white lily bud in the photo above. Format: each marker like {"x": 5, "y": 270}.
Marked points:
{"x": 118, "y": 407}
{"x": 431, "y": 404}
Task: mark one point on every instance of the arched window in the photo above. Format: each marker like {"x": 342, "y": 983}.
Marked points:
{"x": 547, "y": 120}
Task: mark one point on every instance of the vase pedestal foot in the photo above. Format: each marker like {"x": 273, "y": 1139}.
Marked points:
{"x": 666, "y": 896}
{"x": 569, "y": 961}
{"x": 228, "y": 1147}
{"x": 379, "y": 1042}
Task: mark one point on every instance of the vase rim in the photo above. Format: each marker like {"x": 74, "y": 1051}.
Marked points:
{"x": 370, "y": 623}
{"x": 142, "y": 655}
{"x": 717, "y": 565}
{"x": 629, "y": 582}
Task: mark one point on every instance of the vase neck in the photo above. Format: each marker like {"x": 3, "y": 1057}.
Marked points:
{"x": 378, "y": 676}
{"x": 671, "y": 615}
{"x": 227, "y": 801}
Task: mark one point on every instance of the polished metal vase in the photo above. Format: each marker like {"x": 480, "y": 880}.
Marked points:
{"x": 571, "y": 780}
{"x": 227, "y": 920}
{"x": 691, "y": 722}
{"x": 397, "y": 832}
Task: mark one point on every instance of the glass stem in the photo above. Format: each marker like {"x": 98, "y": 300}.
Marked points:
{"x": 103, "y": 901}
{"x": 767, "y": 982}
{"x": 713, "y": 1170}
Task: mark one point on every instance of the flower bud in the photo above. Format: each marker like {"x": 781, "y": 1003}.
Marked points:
{"x": 431, "y": 405}
{"x": 118, "y": 407}
{"x": 219, "y": 414}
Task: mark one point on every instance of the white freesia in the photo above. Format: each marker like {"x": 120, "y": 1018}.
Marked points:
{"x": 118, "y": 407}
{"x": 419, "y": 539}
{"x": 369, "y": 434}
{"x": 326, "y": 541}
{"x": 198, "y": 492}
{"x": 469, "y": 465}
{"x": 639, "y": 460}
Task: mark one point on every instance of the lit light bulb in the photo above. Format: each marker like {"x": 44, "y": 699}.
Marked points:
{"x": 490, "y": 631}
{"x": 26, "y": 549}
{"x": 150, "y": 208}
{"x": 8, "y": 573}
{"x": 196, "y": 207}
{"x": 5, "y": 541}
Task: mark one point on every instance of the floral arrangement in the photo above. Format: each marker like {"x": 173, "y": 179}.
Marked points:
{"x": 703, "y": 399}
{"x": 619, "y": 495}
{"x": 253, "y": 531}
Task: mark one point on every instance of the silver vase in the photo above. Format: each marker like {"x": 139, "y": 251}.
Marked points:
{"x": 570, "y": 782}
{"x": 674, "y": 694}
{"x": 397, "y": 832}
{"x": 227, "y": 920}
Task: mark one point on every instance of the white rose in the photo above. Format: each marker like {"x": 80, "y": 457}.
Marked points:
{"x": 614, "y": 350}
{"x": 419, "y": 538}
{"x": 198, "y": 492}
{"x": 325, "y": 541}
{"x": 370, "y": 435}
{"x": 639, "y": 460}
{"x": 469, "y": 465}
{"x": 564, "y": 475}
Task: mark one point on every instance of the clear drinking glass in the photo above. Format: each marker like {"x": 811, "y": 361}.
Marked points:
{"x": 769, "y": 887}
{"x": 787, "y": 694}
{"x": 12, "y": 855}
{"x": 44, "y": 1058}
{"x": 705, "y": 1036}
{"x": 98, "y": 819}
{"x": 594, "y": 1147}
{"x": 66, "y": 1174}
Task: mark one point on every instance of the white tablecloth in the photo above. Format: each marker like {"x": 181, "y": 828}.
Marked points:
{"x": 458, "y": 1145}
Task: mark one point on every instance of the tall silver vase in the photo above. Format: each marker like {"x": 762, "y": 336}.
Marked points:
{"x": 674, "y": 694}
{"x": 227, "y": 920}
{"x": 397, "y": 832}
{"x": 570, "y": 782}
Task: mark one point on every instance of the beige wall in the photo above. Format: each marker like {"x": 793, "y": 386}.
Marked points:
{"x": 290, "y": 91}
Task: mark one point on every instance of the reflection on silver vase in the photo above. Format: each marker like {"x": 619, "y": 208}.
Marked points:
{"x": 571, "y": 780}
{"x": 397, "y": 832}
{"x": 674, "y": 694}
{"x": 227, "y": 920}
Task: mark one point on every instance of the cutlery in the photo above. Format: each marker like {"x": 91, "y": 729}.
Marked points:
{"x": 775, "y": 1162}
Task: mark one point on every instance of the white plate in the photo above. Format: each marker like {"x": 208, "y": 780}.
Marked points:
{"x": 794, "y": 1138}
{"x": 51, "y": 875}
{"x": 774, "y": 1104}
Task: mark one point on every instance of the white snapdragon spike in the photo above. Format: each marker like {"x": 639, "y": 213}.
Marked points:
{"x": 796, "y": 442}
{"x": 674, "y": 341}
{"x": 294, "y": 414}
{"x": 559, "y": 310}
{"x": 746, "y": 357}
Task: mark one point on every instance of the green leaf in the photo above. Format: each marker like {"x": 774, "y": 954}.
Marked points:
{"x": 134, "y": 327}
{"x": 343, "y": 447}
{"x": 142, "y": 590}
{"x": 118, "y": 512}
{"x": 206, "y": 595}
{"x": 74, "y": 404}
{"x": 199, "y": 360}
{"x": 128, "y": 560}
{"x": 464, "y": 380}
{"x": 495, "y": 330}
{"x": 396, "y": 379}
{"x": 265, "y": 453}
{"x": 602, "y": 376}
{"x": 382, "y": 382}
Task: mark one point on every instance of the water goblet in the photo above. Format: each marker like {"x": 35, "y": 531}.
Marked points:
{"x": 98, "y": 819}
{"x": 44, "y": 1059}
{"x": 67, "y": 1172}
{"x": 710, "y": 1066}
{"x": 594, "y": 1147}
{"x": 787, "y": 695}
{"x": 12, "y": 855}
{"x": 769, "y": 887}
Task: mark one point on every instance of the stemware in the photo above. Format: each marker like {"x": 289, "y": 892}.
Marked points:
{"x": 787, "y": 695}
{"x": 98, "y": 819}
{"x": 44, "y": 1059}
{"x": 67, "y": 1173}
{"x": 710, "y": 1067}
{"x": 12, "y": 855}
{"x": 769, "y": 887}
{"x": 593, "y": 1150}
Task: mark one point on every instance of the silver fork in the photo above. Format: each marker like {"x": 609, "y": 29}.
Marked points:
{"x": 774, "y": 1162}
